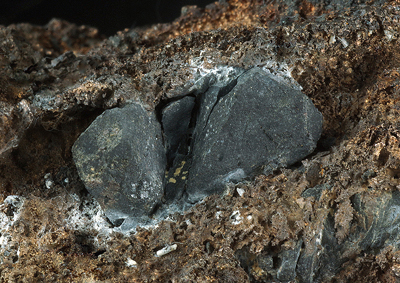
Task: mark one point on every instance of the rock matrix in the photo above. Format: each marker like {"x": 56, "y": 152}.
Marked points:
{"x": 332, "y": 217}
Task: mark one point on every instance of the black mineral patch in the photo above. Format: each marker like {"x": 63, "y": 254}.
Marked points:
{"x": 316, "y": 191}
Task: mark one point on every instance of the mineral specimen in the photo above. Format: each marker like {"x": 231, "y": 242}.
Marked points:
{"x": 234, "y": 130}
{"x": 121, "y": 160}
{"x": 333, "y": 217}
{"x": 258, "y": 123}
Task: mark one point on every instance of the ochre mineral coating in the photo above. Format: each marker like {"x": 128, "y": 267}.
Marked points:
{"x": 341, "y": 203}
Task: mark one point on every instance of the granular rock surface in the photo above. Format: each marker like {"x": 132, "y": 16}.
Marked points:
{"x": 333, "y": 217}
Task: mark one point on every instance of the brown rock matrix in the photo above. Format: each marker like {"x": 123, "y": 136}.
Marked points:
{"x": 334, "y": 217}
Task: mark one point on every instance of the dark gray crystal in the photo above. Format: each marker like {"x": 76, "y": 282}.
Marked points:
{"x": 259, "y": 124}
{"x": 121, "y": 160}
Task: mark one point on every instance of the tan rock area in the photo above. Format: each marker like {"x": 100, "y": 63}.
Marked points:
{"x": 333, "y": 217}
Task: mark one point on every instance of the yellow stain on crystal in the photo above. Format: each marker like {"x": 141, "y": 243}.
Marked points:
{"x": 179, "y": 169}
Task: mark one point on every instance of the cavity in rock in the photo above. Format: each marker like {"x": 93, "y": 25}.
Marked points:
{"x": 176, "y": 117}
{"x": 121, "y": 160}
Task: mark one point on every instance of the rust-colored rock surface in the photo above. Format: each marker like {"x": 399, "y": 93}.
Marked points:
{"x": 334, "y": 217}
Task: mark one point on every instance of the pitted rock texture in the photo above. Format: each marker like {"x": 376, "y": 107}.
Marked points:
{"x": 121, "y": 160}
{"x": 325, "y": 259}
{"x": 340, "y": 204}
{"x": 258, "y": 123}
